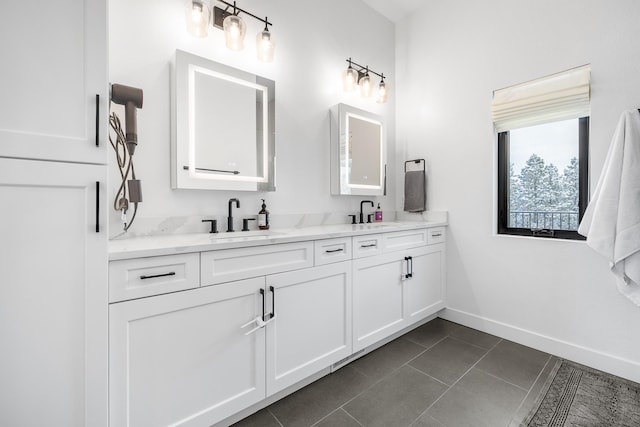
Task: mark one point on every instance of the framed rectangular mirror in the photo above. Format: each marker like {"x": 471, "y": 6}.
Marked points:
{"x": 358, "y": 152}
{"x": 223, "y": 127}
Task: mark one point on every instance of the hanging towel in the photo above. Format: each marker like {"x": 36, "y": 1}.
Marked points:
{"x": 415, "y": 197}
{"x": 611, "y": 222}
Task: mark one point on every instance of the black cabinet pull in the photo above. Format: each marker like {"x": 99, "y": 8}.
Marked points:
{"x": 97, "y": 120}
{"x": 409, "y": 261}
{"x": 436, "y": 235}
{"x": 371, "y": 245}
{"x": 334, "y": 250}
{"x": 97, "y": 206}
{"x": 173, "y": 273}
{"x": 410, "y": 266}
{"x": 273, "y": 303}
{"x": 263, "y": 303}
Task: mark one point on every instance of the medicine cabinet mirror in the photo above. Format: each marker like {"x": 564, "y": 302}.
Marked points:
{"x": 223, "y": 127}
{"x": 358, "y": 152}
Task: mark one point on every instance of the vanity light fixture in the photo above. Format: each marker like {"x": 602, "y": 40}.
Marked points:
{"x": 357, "y": 76}
{"x": 198, "y": 17}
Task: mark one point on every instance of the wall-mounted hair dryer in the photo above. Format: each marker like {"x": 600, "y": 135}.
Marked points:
{"x": 131, "y": 98}
{"x": 130, "y": 190}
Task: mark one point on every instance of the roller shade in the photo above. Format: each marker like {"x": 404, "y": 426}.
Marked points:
{"x": 560, "y": 96}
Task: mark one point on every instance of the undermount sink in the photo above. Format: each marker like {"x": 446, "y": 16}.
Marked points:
{"x": 246, "y": 234}
{"x": 370, "y": 225}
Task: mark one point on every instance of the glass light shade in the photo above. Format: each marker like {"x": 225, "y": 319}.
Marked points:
{"x": 383, "y": 94}
{"x": 266, "y": 45}
{"x": 349, "y": 79}
{"x": 366, "y": 86}
{"x": 197, "y": 15}
{"x": 234, "y": 31}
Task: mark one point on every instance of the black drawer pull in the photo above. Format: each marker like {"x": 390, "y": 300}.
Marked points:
{"x": 334, "y": 250}
{"x": 273, "y": 302}
{"x": 436, "y": 235}
{"x": 370, "y": 245}
{"x": 97, "y": 206}
{"x": 97, "y": 120}
{"x": 173, "y": 273}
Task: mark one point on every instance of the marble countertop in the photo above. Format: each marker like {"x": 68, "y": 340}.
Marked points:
{"x": 145, "y": 246}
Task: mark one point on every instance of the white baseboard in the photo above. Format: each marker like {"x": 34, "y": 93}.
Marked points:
{"x": 586, "y": 356}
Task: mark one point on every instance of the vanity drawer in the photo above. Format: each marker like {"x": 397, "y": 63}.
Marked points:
{"x": 227, "y": 265}
{"x": 435, "y": 235}
{"x": 399, "y": 240}
{"x": 144, "y": 277}
{"x": 368, "y": 245}
{"x": 328, "y": 251}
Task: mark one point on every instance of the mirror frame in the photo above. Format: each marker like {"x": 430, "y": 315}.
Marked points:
{"x": 184, "y": 173}
{"x": 339, "y": 118}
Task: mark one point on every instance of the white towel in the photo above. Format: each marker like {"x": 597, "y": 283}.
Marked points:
{"x": 611, "y": 222}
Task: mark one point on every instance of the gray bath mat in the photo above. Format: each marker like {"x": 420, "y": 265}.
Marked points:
{"x": 575, "y": 395}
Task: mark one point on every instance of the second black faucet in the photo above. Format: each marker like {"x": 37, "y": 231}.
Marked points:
{"x": 361, "y": 210}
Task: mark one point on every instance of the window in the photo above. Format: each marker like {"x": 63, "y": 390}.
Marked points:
{"x": 543, "y": 149}
{"x": 542, "y": 179}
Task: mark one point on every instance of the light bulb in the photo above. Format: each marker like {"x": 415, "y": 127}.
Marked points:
{"x": 383, "y": 94}
{"x": 234, "y": 30}
{"x": 366, "y": 88}
{"x": 197, "y": 16}
{"x": 265, "y": 45}
{"x": 349, "y": 79}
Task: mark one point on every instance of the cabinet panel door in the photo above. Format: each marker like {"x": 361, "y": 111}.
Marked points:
{"x": 54, "y": 64}
{"x": 378, "y": 298}
{"x": 425, "y": 289}
{"x": 312, "y": 327}
{"x": 183, "y": 359}
{"x": 53, "y": 295}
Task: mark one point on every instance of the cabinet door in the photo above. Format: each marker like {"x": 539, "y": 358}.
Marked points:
{"x": 312, "y": 327}
{"x": 53, "y": 295}
{"x": 54, "y": 58}
{"x": 378, "y": 298}
{"x": 182, "y": 359}
{"x": 424, "y": 290}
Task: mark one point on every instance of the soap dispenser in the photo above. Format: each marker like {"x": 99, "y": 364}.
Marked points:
{"x": 378, "y": 214}
{"x": 263, "y": 217}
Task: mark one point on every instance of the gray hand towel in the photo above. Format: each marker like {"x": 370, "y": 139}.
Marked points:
{"x": 415, "y": 196}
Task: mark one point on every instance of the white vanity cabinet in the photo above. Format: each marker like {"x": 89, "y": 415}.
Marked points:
{"x": 312, "y": 325}
{"x": 258, "y": 320}
{"x": 183, "y": 359}
{"x": 198, "y": 356}
{"x": 398, "y": 288}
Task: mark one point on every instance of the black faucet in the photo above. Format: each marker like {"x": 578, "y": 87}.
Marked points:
{"x": 230, "y": 217}
{"x": 362, "y": 213}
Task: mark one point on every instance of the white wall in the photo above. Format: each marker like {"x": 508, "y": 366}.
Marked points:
{"x": 555, "y": 295}
{"x": 313, "y": 41}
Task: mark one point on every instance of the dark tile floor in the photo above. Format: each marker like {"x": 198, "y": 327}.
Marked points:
{"x": 440, "y": 374}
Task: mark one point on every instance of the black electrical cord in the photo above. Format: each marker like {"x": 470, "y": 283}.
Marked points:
{"x": 125, "y": 166}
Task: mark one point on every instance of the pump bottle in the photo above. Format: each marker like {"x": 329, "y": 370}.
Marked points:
{"x": 263, "y": 217}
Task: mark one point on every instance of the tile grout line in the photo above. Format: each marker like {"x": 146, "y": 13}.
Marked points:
{"x": 376, "y": 382}
{"x": 532, "y": 385}
{"x": 274, "y": 416}
{"x": 454, "y": 383}
{"x": 386, "y": 376}
{"x": 333, "y": 412}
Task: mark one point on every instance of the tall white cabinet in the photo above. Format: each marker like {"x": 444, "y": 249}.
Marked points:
{"x": 53, "y": 244}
